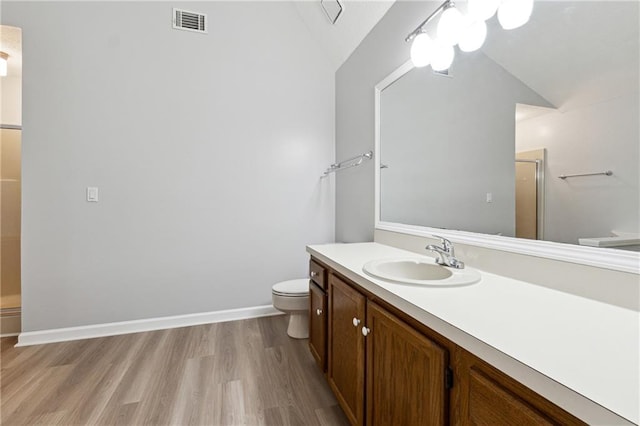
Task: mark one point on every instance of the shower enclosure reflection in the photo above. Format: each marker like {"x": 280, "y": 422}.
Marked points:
{"x": 11, "y": 181}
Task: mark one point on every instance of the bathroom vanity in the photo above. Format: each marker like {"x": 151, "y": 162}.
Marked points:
{"x": 499, "y": 351}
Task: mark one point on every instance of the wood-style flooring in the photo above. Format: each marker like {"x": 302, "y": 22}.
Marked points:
{"x": 235, "y": 373}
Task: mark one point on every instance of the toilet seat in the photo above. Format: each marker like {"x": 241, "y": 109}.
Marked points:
{"x": 292, "y": 288}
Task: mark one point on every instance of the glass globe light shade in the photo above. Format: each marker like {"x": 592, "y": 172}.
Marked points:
{"x": 450, "y": 25}
{"x": 482, "y": 9}
{"x": 514, "y": 13}
{"x": 473, "y": 36}
{"x": 442, "y": 56}
{"x": 421, "y": 50}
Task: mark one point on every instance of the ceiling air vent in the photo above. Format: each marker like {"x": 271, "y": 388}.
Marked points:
{"x": 443, "y": 73}
{"x": 189, "y": 21}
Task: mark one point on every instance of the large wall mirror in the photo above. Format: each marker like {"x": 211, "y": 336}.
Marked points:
{"x": 531, "y": 141}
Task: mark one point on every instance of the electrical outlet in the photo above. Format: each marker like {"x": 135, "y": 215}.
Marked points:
{"x": 92, "y": 194}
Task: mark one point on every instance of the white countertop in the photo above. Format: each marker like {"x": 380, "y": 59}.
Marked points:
{"x": 589, "y": 347}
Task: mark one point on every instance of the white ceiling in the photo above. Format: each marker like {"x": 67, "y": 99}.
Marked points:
{"x": 573, "y": 53}
{"x": 339, "y": 40}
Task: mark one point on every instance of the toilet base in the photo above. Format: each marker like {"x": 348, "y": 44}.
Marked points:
{"x": 298, "y": 325}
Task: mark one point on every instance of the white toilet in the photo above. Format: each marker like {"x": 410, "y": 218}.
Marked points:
{"x": 292, "y": 297}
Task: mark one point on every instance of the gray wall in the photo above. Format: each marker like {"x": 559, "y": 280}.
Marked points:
{"x": 448, "y": 142}
{"x": 592, "y": 138}
{"x": 381, "y": 52}
{"x": 207, "y": 150}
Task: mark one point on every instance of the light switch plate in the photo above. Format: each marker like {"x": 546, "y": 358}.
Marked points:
{"x": 92, "y": 194}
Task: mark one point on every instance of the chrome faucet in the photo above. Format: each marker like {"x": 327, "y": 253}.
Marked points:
{"x": 446, "y": 254}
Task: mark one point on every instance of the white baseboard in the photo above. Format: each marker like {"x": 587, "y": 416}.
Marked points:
{"x": 136, "y": 326}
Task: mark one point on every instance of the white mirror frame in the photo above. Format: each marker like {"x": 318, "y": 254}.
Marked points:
{"x": 618, "y": 260}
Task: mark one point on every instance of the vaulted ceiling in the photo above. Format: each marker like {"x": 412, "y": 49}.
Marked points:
{"x": 573, "y": 53}
{"x": 339, "y": 40}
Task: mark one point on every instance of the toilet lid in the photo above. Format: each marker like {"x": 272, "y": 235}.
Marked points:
{"x": 292, "y": 288}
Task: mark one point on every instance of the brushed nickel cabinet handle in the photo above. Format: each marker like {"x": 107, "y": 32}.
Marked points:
{"x": 318, "y": 312}
{"x": 366, "y": 331}
{"x": 355, "y": 321}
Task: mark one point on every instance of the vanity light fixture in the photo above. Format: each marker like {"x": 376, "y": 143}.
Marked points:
{"x": 467, "y": 31}
{"x": 514, "y": 13}
{"x": 3, "y": 64}
{"x": 442, "y": 55}
{"x": 450, "y": 25}
{"x": 473, "y": 36}
{"x": 421, "y": 50}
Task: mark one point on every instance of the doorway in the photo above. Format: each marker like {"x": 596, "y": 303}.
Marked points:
{"x": 530, "y": 194}
{"x": 10, "y": 179}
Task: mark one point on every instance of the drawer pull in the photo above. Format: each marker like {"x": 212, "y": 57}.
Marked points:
{"x": 366, "y": 331}
{"x": 355, "y": 321}
{"x": 314, "y": 274}
{"x": 318, "y": 312}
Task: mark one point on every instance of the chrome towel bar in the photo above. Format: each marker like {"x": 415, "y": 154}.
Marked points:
{"x": 350, "y": 162}
{"x": 607, "y": 173}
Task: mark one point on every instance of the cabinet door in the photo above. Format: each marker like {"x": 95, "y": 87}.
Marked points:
{"x": 345, "y": 372}
{"x": 489, "y": 397}
{"x": 405, "y": 373}
{"x": 318, "y": 324}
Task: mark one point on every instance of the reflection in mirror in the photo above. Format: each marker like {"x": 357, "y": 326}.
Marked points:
{"x": 482, "y": 149}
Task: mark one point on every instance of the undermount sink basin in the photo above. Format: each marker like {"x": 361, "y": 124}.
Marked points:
{"x": 420, "y": 271}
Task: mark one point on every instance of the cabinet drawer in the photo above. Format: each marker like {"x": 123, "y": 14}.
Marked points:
{"x": 318, "y": 274}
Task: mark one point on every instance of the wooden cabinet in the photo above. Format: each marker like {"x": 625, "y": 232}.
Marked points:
{"x": 345, "y": 371}
{"x": 386, "y": 368}
{"x": 405, "y": 373}
{"x": 487, "y": 396}
{"x": 318, "y": 313}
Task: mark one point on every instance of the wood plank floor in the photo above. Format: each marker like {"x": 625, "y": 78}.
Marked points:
{"x": 235, "y": 373}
